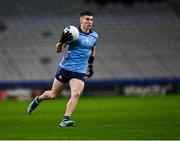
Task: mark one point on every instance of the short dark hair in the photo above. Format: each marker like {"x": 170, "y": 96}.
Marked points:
{"x": 88, "y": 13}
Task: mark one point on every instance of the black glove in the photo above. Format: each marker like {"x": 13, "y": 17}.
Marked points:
{"x": 66, "y": 37}
{"x": 90, "y": 70}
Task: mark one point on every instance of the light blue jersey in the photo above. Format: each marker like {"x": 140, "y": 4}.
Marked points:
{"x": 77, "y": 55}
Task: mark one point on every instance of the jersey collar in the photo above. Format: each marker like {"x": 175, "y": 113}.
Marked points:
{"x": 80, "y": 30}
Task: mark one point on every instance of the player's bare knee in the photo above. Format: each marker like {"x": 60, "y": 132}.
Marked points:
{"x": 76, "y": 94}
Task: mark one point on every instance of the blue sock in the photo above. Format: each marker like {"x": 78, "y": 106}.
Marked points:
{"x": 66, "y": 118}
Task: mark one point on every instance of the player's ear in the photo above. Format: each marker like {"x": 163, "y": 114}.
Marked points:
{"x": 80, "y": 19}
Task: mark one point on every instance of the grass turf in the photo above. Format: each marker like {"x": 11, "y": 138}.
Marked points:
{"x": 96, "y": 118}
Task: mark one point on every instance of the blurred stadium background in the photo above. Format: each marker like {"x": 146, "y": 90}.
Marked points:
{"x": 138, "y": 54}
{"x": 138, "y": 51}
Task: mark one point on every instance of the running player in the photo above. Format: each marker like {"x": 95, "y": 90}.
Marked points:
{"x": 73, "y": 66}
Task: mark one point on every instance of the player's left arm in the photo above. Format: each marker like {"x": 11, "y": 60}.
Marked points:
{"x": 93, "y": 53}
{"x": 90, "y": 62}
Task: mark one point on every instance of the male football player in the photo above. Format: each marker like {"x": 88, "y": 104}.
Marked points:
{"x": 72, "y": 69}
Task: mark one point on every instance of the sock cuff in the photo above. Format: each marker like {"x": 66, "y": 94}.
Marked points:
{"x": 66, "y": 118}
{"x": 38, "y": 100}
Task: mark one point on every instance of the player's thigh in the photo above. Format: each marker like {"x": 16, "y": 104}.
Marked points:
{"x": 57, "y": 87}
{"x": 76, "y": 86}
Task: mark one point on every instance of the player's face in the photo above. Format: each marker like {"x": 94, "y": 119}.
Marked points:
{"x": 86, "y": 22}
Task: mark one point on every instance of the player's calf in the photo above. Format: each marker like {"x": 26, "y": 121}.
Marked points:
{"x": 48, "y": 95}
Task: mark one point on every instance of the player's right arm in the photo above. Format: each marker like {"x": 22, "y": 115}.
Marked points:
{"x": 62, "y": 42}
{"x": 60, "y": 46}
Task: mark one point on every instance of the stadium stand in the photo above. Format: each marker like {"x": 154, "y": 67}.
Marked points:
{"x": 137, "y": 41}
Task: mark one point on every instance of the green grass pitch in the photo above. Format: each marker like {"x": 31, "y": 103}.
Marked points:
{"x": 102, "y": 118}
